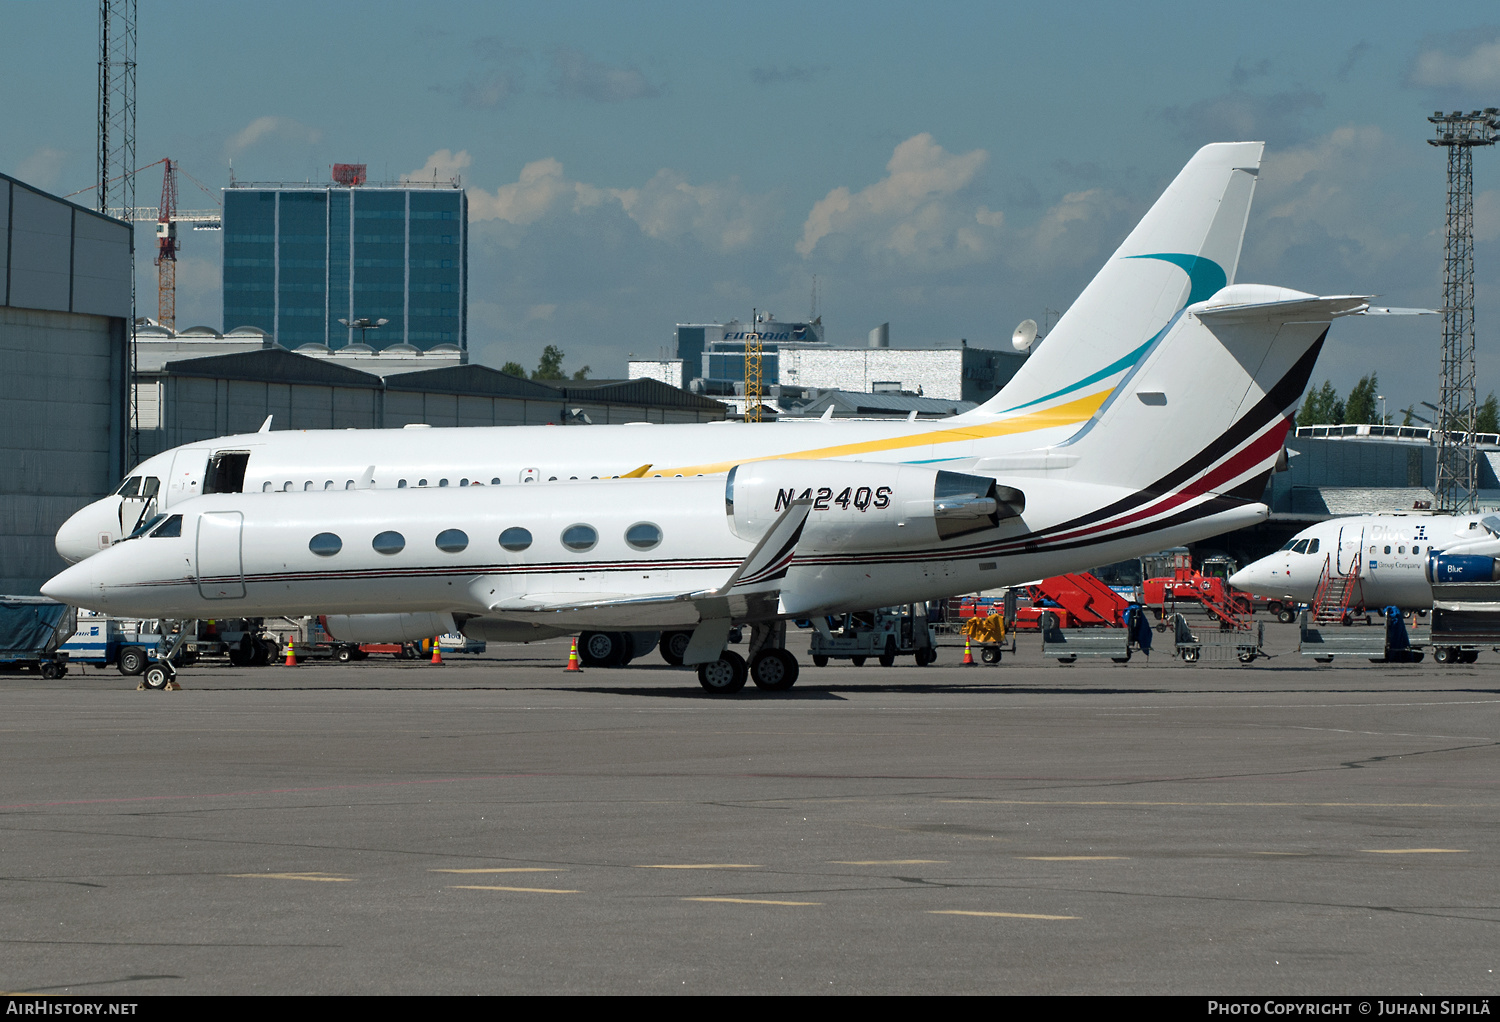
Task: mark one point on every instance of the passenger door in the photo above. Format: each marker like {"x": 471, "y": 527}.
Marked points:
{"x": 221, "y": 572}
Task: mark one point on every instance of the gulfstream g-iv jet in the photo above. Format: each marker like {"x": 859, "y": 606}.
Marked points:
{"x": 1176, "y": 448}
{"x": 1183, "y": 252}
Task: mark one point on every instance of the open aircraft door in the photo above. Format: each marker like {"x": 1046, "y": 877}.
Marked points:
{"x": 221, "y": 572}
{"x": 1347, "y": 558}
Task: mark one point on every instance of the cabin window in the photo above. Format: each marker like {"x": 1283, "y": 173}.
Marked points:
{"x": 149, "y": 486}
{"x": 1301, "y": 547}
{"x": 463, "y": 482}
{"x": 307, "y": 485}
{"x": 400, "y": 484}
{"x": 1401, "y": 550}
{"x": 643, "y": 535}
{"x": 452, "y": 541}
{"x": 389, "y": 543}
{"x": 495, "y": 481}
{"x": 327, "y": 484}
{"x": 1387, "y": 549}
{"x": 325, "y": 544}
{"x": 1416, "y": 550}
{"x": 1312, "y": 547}
{"x": 265, "y": 487}
{"x": 421, "y": 482}
{"x": 442, "y": 482}
{"x": 1372, "y": 550}
{"x": 171, "y": 528}
{"x": 552, "y": 479}
{"x": 580, "y": 537}
{"x": 515, "y": 538}
{"x": 130, "y": 487}
{"x": 286, "y": 487}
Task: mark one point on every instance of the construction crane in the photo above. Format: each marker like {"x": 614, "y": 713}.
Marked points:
{"x": 754, "y": 391}
{"x": 166, "y": 250}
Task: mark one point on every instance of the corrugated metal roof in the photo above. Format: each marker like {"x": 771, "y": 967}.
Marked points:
{"x": 641, "y": 391}
{"x": 470, "y": 379}
{"x": 272, "y": 365}
{"x": 857, "y": 403}
{"x": 1356, "y": 500}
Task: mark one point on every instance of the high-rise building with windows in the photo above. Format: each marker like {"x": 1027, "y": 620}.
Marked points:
{"x": 298, "y": 258}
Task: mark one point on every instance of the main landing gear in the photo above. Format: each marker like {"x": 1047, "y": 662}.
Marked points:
{"x": 770, "y": 666}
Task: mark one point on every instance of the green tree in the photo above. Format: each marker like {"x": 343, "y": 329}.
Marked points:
{"x": 514, "y": 369}
{"x": 1488, "y": 419}
{"x": 582, "y": 374}
{"x": 549, "y": 367}
{"x": 1321, "y": 407}
{"x": 1362, "y": 403}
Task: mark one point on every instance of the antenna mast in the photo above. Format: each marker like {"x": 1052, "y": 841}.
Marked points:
{"x": 1457, "y": 482}
{"x": 117, "y": 157}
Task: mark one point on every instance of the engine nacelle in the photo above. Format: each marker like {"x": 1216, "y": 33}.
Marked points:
{"x": 1446, "y": 567}
{"x": 861, "y": 505}
{"x": 388, "y": 627}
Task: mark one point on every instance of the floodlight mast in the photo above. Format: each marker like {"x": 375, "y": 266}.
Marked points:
{"x": 1457, "y": 484}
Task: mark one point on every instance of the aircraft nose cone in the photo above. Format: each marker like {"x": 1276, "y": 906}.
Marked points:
{"x": 89, "y": 530}
{"x": 1250, "y": 578}
{"x": 76, "y": 586}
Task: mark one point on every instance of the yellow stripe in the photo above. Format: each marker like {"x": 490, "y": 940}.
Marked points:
{"x": 1071, "y": 858}
{"x": 754, "y": 901}
{"x": 323, "y": 877}
{"x": 1414, "y": 851}
{"x": 516, "y": 890}
{"x": 1069, "y": 414}
{"x": 999, "y": 915}
{"x": 886, "y": 862}
{"x": 509, "y": 869}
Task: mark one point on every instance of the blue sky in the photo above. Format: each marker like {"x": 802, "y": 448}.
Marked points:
{"x": 951, "y": 168}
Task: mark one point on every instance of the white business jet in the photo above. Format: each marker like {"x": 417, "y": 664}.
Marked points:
{"x": 1183, "y": 252}
{"x": 1177, "y": 449}
{"x": 1393, "y": 558}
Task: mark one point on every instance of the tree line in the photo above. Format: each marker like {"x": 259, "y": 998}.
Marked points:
{"x": 1324, "y": 407}
{"x": 548, "y": 367}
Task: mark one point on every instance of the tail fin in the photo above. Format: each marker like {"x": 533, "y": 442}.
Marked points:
{"x": 1184, "y": 250}
{"x": 1198, "y": 424}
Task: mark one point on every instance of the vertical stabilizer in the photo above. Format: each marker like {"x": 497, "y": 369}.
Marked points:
{"x": 1184, "y": 250}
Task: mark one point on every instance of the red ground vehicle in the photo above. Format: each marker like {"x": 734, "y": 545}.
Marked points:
{"x": 1171, "y": 581}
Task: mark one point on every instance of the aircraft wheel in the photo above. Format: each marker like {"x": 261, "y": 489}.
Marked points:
{"x": 736, "y": 636}
{"x": 1445, "y": 655}
{"x": 132, "y": 660}
{"x": 857, "y": 661}
{"x": 601, "y": 649}
{"x": 774, "y": 670}
{"x": 157, "y": 676}
{"x": 819, "y": 660}
{"x": 673, "y": 645}
{"x": 724, "y": 676}
{"x": 990, "y": 654}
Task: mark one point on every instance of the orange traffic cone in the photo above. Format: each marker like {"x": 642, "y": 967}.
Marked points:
{"x": 291, "y": 654}
{"x": 573, "y": 664}
{"x": 437, "y": 653}
{"x": 968, "y": 653}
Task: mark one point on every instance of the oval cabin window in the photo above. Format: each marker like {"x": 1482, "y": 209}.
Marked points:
{"x": 452, "y": 541}
{"x": 389, "y": 543}
{"x": 325, "y": 544}
{"x": 515, "y": 539}
{"x": 579, "y": 538}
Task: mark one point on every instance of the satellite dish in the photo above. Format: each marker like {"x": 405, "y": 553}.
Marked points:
{"x": 1025, "y": 335}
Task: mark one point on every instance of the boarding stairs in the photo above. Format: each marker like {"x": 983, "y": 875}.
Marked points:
{"x": 1336, "y": 594}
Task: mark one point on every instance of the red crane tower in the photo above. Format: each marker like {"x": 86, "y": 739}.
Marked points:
{"x": 166, "y": 250}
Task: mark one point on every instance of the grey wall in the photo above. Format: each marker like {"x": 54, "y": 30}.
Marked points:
{"x": 65, "y": 275}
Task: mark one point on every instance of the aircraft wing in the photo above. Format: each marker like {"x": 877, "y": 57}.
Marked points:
{"x": 753, "y": 589}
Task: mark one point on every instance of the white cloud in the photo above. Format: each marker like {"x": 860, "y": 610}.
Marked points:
{"x": 42, "y": 168}
{"x": 443, "y": 165}
{"x": 277, "y": 128}
{"x": 1077, "y": 231}
{"x": 668, "y": 207}
{"x": 578, "y": 76}
{"x": 913, "y": 213}
{"x": 1477, "y": 69}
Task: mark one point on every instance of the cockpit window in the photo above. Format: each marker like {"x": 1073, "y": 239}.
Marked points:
{"x": 130, "y": 487}
{"x": 150, "y": 486}
{"x": 146, "y": 526}
{"x": 169, "y": 529}
{"x": 1312, "y": 547}
{"x": 1300, "y": 547}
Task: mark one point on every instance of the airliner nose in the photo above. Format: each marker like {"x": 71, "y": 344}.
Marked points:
{"x": 77, "y": 586}
{"x": 1252, "y": 577}
{"x": 91, "y": 528}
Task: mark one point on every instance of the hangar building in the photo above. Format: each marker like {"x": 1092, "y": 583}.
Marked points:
{"x": 65, "y": 279}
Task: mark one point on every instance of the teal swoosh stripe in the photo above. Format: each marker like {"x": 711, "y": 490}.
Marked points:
{"x": 1207, "y": 279}
{"x": 1109, "y": 370}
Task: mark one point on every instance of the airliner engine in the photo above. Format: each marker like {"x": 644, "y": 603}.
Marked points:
{"x": 867, "y": 505}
